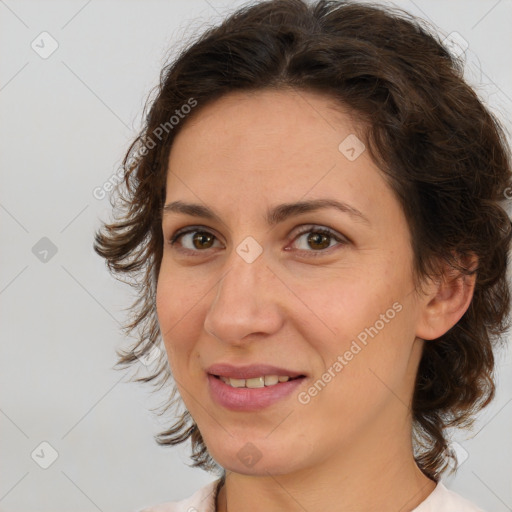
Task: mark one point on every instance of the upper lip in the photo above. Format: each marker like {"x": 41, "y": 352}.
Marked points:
{"x": 249, "y": 371}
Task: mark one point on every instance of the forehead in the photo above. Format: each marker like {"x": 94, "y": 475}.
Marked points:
{"x": 269, "y": 147}
{"x": 278, "y": 133}
{"x": 266, "y": 115}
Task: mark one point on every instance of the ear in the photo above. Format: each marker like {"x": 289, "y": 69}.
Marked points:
{"x": 445, "y": 300}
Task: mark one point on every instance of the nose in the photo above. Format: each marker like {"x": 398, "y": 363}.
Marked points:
{"x": 246, "y": 302}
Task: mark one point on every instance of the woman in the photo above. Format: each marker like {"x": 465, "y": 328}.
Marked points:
{"x": 314, "y": 213}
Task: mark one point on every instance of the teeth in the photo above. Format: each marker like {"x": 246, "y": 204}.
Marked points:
{"x": 270, "y": 380}
{"x": 256, "y": 382}
{"x": 236, "y": 383}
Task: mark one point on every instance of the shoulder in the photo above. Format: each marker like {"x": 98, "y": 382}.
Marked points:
{"x": 443, "y": 499}
{"x": 203, "y": 500}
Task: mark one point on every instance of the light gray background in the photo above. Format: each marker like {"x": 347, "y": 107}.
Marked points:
{"x": 65, "y": 123}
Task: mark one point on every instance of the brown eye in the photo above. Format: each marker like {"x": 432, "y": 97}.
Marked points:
{"x": 318, "y": 240}
{"x": 193, "y": 240}
{"x": 202, "y": 240}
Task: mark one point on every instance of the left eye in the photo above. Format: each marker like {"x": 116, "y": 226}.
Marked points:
{"x": 318, "y": 239}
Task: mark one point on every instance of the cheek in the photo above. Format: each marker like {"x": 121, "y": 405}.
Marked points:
{"x": 175, "y": 304}
{"x": 373, "y": 349}
{"x": 366, "y": 318}
{"x": 178, "y": 295}
{"x": 344, "y": 305}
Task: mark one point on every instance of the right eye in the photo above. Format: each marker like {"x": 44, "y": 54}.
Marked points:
{"x": 193, "y": 240}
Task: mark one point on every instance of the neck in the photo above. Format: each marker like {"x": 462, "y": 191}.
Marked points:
{"x": 381, "y": 477}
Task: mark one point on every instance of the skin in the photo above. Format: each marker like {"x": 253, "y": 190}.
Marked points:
{"x": 351, "y": 444}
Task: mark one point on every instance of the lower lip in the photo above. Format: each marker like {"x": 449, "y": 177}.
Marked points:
{"x": 250, "y": 399}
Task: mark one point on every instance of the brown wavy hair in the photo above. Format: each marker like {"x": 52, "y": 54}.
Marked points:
{"x": 443, "y": 152}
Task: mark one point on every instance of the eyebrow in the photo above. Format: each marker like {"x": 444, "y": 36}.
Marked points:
{"x": 275, "y": 215}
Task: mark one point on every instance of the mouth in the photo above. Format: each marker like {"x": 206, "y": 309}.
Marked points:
{"x": 251, "y": 388}
{"x": 254, "y": 393}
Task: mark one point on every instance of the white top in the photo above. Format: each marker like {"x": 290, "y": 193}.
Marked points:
{"x": 441, "y": 499}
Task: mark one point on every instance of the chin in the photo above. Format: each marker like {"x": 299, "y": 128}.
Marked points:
{"x": 258, "y": 458}
{"x": 273, "y": 467}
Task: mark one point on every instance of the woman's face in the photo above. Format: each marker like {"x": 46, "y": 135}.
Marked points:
{"x": 257, "y": 289}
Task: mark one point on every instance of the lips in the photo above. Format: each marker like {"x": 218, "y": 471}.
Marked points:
{"x": 244, "y": 388}
{"x": 251, "y": 399}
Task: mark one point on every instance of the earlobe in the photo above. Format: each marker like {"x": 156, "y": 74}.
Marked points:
{"x": 444, "y": 302}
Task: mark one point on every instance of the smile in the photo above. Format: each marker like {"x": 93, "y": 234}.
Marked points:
{"x": 252, "y": 394}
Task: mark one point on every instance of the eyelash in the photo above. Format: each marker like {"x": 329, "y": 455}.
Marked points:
{"x": 307, "y": 229}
